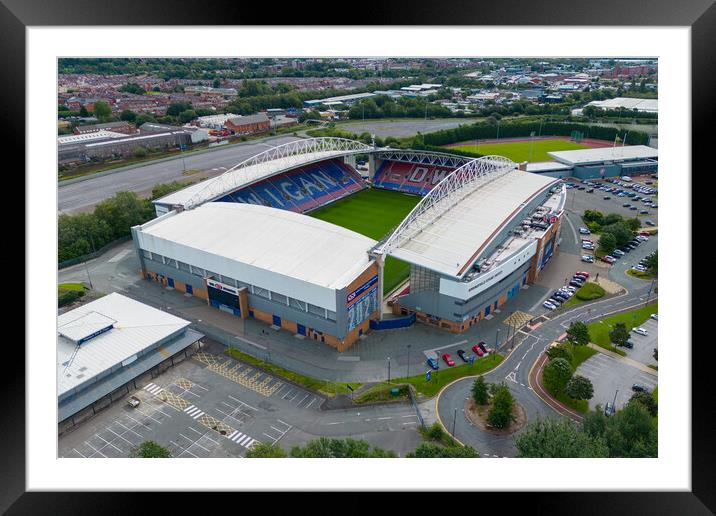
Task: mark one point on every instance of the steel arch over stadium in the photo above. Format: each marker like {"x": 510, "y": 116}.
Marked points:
{"x": 446, "y": 194}
{"x": 274, "y": 160}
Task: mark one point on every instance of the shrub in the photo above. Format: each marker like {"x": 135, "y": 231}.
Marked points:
{"x": 68, "y": 297}
{"x": 559, "y": 352}
{"x": 436, "y": 431}
{"x": 579, "y": 388}
{"x": 479, "y": 391}
{"x": 590, "y": 291}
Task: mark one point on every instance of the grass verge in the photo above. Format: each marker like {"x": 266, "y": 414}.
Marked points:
{"x": 382, "y": 392}
{"x": 599, "y": 331}
{"x": 442, "y": 377}
{"x": 323, "y": 386}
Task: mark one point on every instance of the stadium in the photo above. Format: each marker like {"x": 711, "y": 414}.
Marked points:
{"x": 297, "y": 238}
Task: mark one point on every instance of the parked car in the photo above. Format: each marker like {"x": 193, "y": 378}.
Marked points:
{"x": 606, "y": 197}
{"x": 482, "y": 346}
{"x": 637, "y": 387}
{"x": 584, "y": 231}
{"x": 629, "y": 344}
{"x": 640, "y": 331}
{"x": 609, "y": 409}
{"x": 609, "y": 259}
{"x": 649, "y": 223}
{"x": 476, "y": 349}
{"x": 464, "y": 356}
{"x": 634, "y": 208}
{"x": 555, "y": 301}
{"x": 591, "y": 190}
{"x": 449, "y": 361}
{"x": 549, "y": 306}
{"x": 626, "y": 205}
{"x": 655, "y": 316}
{"x": 433, "y": 363}
{"x": 583, "y": 273}
{"x": 618, "y": 253}
{"x": 588, "y": 258}
{"x": 643, "y": 212}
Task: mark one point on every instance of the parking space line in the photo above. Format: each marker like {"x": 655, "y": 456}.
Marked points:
{"x": 75, "y": 450}
{"x": 244, "y": 404}
{"x": 96, "y": 450}
{"x": 146, "y": 415}
{"x": 130, "y": 429}
{"x": 314, "y": 399}
{"x": 108, "y": 443}
{"x": 125, "y": 440}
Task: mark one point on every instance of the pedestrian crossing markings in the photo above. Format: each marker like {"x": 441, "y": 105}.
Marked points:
{"x": 244, "y": 440}
{"x": 193, "y": 411}
{"x": 153, "y": 388}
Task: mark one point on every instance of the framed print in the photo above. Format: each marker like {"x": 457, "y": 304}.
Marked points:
{"x": 430, "y": 235}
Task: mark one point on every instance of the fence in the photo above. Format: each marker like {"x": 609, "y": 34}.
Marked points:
{"x": 98, "y": 252}
{"x": 390, "y": 324}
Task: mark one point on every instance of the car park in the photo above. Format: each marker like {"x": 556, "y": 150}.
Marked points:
{"x": 433, "y": 363}
{"x": 640, "y": 331}
{"x": 588, "y": 258}
{"x": 449, "y": 361}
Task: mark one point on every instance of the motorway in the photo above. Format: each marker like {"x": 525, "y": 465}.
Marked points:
{"x": 83, "y": 194}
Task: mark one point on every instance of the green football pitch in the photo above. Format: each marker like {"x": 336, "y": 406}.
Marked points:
{"x": 520, "y": 151}
{"x": 373, "y": 213}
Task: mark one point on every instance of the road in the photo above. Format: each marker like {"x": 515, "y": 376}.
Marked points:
{"x": 514, "y": 370}
{"x": 83, "y": 195}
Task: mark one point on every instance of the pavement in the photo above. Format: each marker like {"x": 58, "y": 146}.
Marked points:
{"x": 76, "y": 196}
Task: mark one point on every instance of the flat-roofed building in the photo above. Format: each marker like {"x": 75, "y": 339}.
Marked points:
{"x": 104, "y": 347}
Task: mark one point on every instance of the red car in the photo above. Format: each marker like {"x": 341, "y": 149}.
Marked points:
{"x": 582, "y": 273}
{"x": 476, "y": 349}
{"x": 449, "y": 361}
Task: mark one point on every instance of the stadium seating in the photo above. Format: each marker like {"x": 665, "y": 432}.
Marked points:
{"x": 409, "y": 177}
{"x": 302, "y": 189}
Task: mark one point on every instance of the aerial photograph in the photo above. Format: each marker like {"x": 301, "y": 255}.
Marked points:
{"x": 357, "y": 257}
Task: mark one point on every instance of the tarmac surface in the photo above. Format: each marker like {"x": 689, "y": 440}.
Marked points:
{"x": 82, "y": 195}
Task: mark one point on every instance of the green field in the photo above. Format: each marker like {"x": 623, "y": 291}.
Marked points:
{"x": 373, "y": 213}
{"x": 599, "y": 331}
{"x": 520, "y": 151}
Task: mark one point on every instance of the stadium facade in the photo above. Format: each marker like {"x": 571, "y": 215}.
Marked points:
{"x": 242, "y": 242}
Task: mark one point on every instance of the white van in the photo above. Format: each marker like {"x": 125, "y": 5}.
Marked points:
{"x": 626, "y": 178}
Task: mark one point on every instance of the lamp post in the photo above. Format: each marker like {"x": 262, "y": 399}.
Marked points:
{"x": 388, "y": 369}
{"x": 497, "y": 340}
{"x": 408, "y": 360}
{"x": 454, "y": 418}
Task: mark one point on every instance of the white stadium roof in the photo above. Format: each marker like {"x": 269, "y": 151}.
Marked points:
{"x": 280, "y": 241}
{"x": 600, "y": 155}
{"x": 454, "y": 239}
{"x": 135, "y": 327}
{"x": 646, "y": 105}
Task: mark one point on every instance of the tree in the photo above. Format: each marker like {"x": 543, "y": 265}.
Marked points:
{"x": 479, "y": 391}
{"x": 128, "y": 115}
{"x": 500, "y": 414}
{"x": 652, "y": 263}
{"x": 607, "y": 243}
{"x": 123, "y": 211}
{"x": 101, "y": 110}
{"x": 432, "y": 450}
{"x": 266, "y": 451}
{"x": 177, "y": 107}
{"x": 324, "y": 447}
{"x": 143, "y": 118}
{"x": 559, "y": 352}
{"x": 558, "y": 438}
{"x": 578, "y": 334}
{"x": 631, "y": 432}
{"x": 132, "y": 87}
{"x": 187, "y": 116}
{"x": 619, "y": 334}
{"x": 579, "y": 388}
{"x": 150, "y": 450}
{"x": 216, "y": 83}
{"x": 556, "y": 374}
{"x": 647, "y": 400}
{"x": 622, "y": 233}
{"x": 83, "y": 111}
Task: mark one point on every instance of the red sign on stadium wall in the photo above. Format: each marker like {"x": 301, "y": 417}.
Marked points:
{"x": 222, "y": 286}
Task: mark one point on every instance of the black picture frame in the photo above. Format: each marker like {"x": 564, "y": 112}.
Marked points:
{"x": 16, "y": 15}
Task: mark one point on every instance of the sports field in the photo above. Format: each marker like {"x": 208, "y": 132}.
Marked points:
{"x": 373, "y": 213}
{"x": 520, "y": 151}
